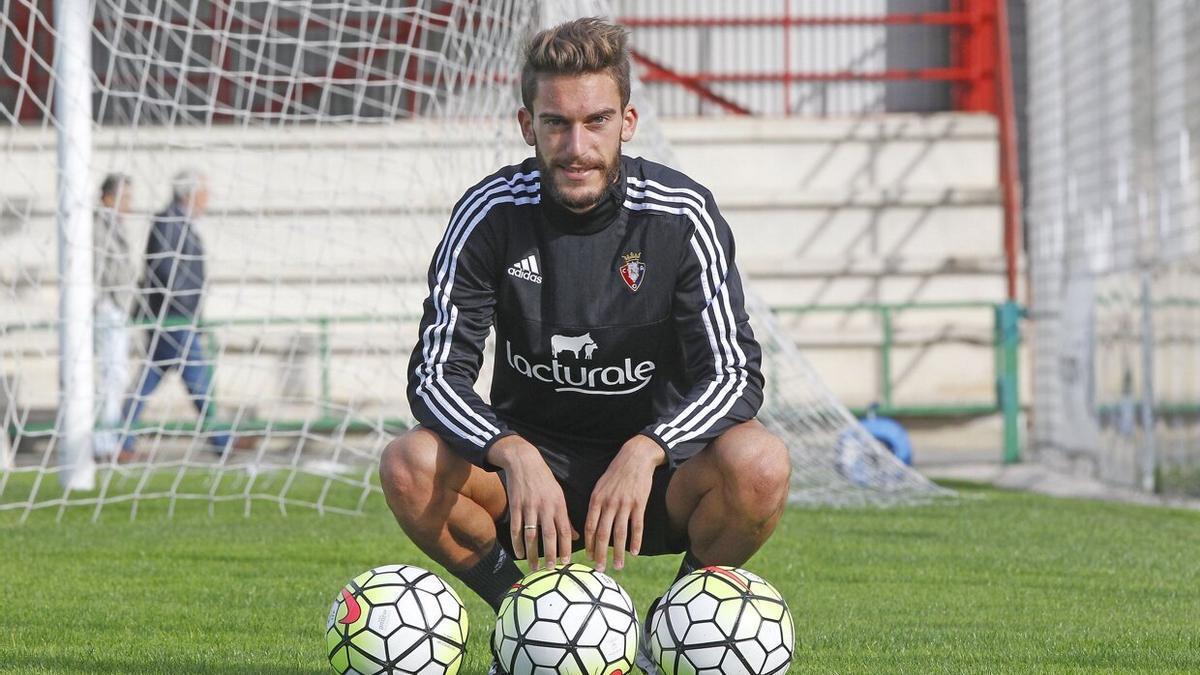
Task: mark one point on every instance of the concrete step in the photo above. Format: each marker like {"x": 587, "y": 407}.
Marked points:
{"x": 892, "y": 151}
{"x": 421, "y": 164}
{"x": 342, "y": 221}
{"x": 956, "y": 223}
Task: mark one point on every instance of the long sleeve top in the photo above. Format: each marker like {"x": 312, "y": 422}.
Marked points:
{"x": 626, "y": 320}
{"x": 174, "y": 280}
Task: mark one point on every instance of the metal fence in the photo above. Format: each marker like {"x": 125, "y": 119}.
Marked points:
{"x": 698, "y": 57}
{"x": 207, "y": 60}
{"x": 814, "y": 57}
{"x": 1114, "y": 239}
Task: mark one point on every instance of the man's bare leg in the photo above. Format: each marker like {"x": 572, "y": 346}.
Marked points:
{"x": 730, "y": 496}
{"x": 448, "y": 507}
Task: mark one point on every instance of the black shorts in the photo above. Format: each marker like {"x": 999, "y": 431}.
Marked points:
{"x": 577, "y": 474}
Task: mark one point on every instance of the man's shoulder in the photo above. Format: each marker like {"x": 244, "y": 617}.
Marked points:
{"x": 657, "y": 191}
{"x": 170, "y": 216}
{"x": 642, "y": 173}
{"x": 522, "y": 181}
{"x": 105, "y": 220}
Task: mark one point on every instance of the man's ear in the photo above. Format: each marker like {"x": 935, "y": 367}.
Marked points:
{"x": 525, "y": 119}
{"x": 629, "y": 122}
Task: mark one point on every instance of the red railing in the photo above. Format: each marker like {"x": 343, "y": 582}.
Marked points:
{"x": 972, "y": 45}
{"x": 972, "y": 56}
{"x": 978, "y": 73}
{"x": 29, "y": 31}
{"x": 1010, "y": 172}
{"x": 31, "y": 43}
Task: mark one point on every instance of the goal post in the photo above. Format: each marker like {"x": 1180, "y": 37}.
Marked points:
{"x": 332, "y": 138}
{"x": 73, "y": 111}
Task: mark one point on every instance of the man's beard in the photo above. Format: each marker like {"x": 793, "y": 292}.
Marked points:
{"x": 585, "y": 201}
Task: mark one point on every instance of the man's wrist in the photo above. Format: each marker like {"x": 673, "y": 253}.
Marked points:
{"x": 504, "y": 451}
{"x": 647, "y": 448}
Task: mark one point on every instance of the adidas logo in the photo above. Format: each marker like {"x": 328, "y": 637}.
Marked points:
{"x": 527, "y": 269}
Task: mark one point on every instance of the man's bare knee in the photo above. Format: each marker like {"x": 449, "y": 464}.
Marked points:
{"x": 772, "y": 469}
{"x": 409, "y": 462}
{"x": 758, "y": 473}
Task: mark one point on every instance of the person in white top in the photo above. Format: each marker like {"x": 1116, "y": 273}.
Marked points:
{"x": 115, "y": 276}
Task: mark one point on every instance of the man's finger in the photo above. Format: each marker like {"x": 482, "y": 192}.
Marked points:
{"x": 549, "y": 539}
{"x": 515, "y": 534}
{"x": 589, "y": 528}
{"x": 564, "y": 538}
{"x": 620, "y": 531}
{"x": 529, "y": 533}
{"x": 636, "y": 522}
{"x": 600, "y": 541}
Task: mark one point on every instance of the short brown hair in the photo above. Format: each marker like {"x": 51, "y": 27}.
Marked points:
{"x": 588, "y": 45}
{"x": 114, "y": 183}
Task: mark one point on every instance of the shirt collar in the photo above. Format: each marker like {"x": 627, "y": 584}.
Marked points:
{"x": 597, "y": 218}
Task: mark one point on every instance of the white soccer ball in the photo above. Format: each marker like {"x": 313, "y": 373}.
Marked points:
{"x": 568, "y": 620}
{"x": 397, "y": 619}
{"x": 722, "y": 621}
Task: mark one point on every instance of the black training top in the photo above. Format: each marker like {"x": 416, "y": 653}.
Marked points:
{"x": 628, "y": 319}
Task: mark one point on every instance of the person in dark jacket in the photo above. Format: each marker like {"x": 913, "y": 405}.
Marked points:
{"x": 173, "y": 297}
{"x": 626, "y": 375}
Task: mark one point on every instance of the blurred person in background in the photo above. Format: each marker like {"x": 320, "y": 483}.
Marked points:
{"x": 173, "y": 297}
{"x": 116, "y": 276}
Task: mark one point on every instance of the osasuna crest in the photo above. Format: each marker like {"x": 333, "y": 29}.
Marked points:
{"x": 633, "y": 271}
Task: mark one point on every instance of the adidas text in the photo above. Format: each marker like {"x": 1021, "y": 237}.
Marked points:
{"x": 525, "y": 274}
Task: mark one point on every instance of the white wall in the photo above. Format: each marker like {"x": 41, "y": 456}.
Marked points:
{"x": 892, "y": 209}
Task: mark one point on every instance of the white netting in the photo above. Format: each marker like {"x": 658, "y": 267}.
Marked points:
{"x": 1114, "y": 240}
{"x": 335, "y": 137}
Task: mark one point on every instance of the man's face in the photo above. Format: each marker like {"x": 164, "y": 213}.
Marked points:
{"x": 200, "y": 199}
{"x": 577, "y": 126}
{"x": 125, "y": 199}
{"x": 121, "y": 202}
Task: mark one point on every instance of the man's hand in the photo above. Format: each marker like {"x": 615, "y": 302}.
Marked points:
{"x": 535, "y": 503}
{"x": 618, "y": 504}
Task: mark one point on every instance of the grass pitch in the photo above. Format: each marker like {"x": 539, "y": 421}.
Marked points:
{"x": 995, "y": 582}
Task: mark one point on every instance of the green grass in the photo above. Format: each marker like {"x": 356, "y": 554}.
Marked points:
{"x": 1181, "y": 480}
{"x": 995, "y": 582}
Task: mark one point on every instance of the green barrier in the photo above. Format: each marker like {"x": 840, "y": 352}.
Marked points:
{"x": 1006, "y": 344}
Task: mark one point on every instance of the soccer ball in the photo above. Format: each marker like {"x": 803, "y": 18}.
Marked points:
{"x": 568, "y": 620}
{"x": 397, "y": 619}
{"x": 722, "y": 621}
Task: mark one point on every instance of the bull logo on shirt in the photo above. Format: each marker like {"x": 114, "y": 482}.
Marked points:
{"x": 573, "y": 373}
{"x": 633, "y": 271}
{"x": 582, "y": 345}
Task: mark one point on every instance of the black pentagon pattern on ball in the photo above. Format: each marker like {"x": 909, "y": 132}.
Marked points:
{"x": 405, "y": 607}
{"x": 715, "y": 624}
{"x": 548, "y": 624}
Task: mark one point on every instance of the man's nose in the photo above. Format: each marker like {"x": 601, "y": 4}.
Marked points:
{"x": 576, "y": 141}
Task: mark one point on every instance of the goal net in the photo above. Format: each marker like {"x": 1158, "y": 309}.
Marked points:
{"x": 1114, "y": 241}
{"x": 334, "y": 137}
